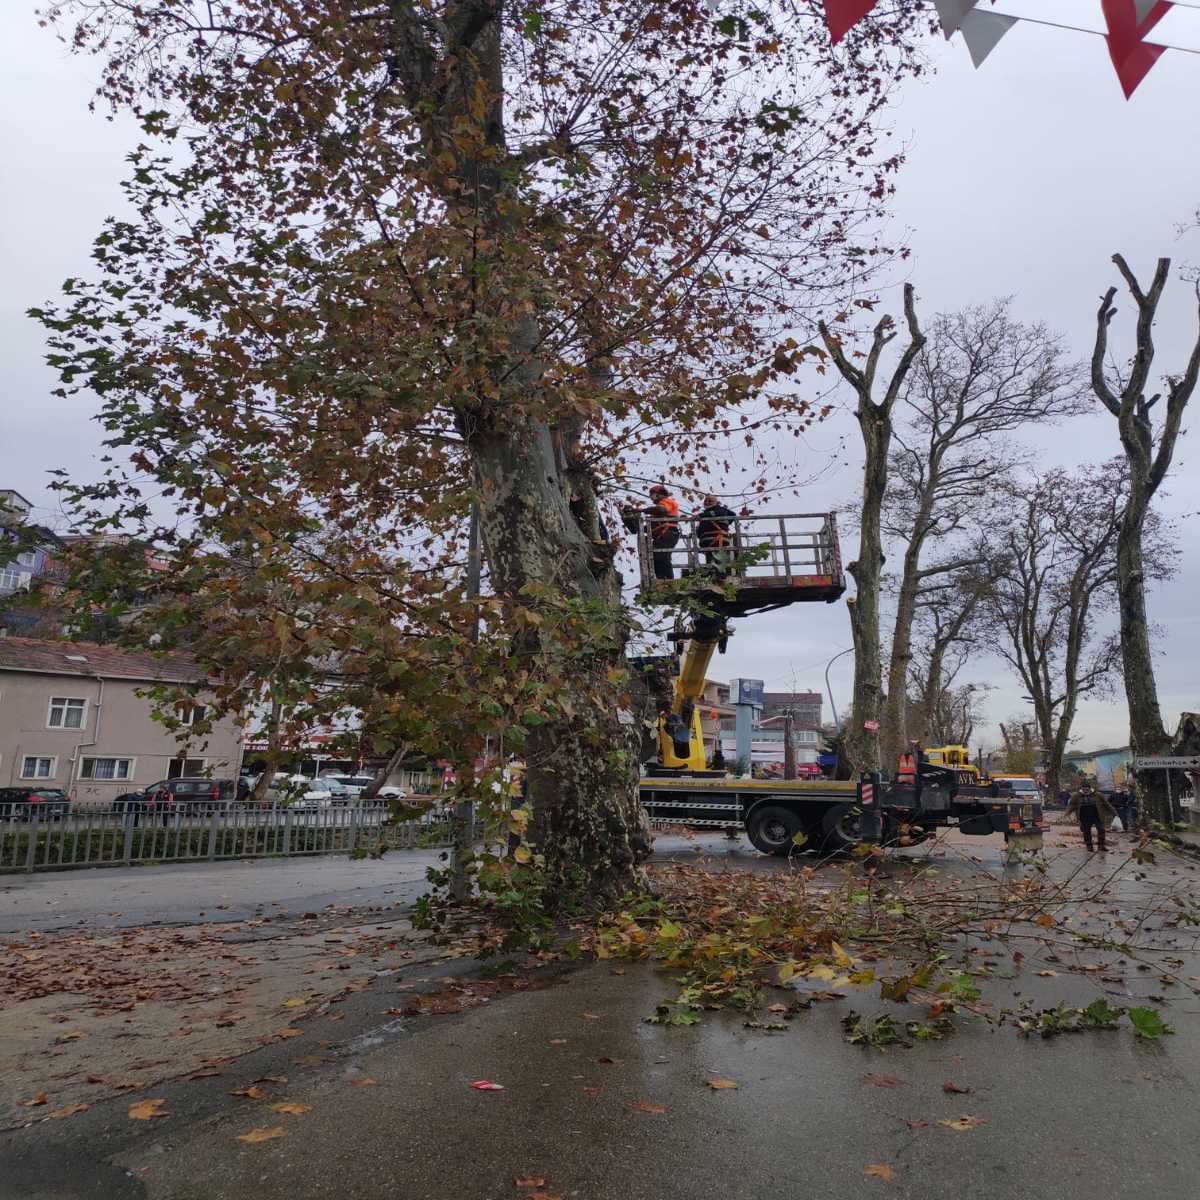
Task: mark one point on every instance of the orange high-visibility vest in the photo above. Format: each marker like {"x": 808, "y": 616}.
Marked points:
{"x": 906, "y": 770}
{"x": 662, "y": 526}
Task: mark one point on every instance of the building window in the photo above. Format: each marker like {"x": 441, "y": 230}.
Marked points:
{"x": 178, "y": 768}
{"x": 191, "y": 714}
{"x": 10, "y": 579}
{"x": 66, "y": 713}
{"x": 105, "y": 768}
{"x": 36, "y": 767}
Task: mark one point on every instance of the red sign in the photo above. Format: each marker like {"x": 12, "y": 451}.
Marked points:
{"x": 873, "y": 726}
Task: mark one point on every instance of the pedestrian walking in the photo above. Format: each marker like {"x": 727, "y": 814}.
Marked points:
{"x": 1093, "y": 812}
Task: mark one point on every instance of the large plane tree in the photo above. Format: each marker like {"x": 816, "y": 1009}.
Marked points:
{"x": 386, "y": 258}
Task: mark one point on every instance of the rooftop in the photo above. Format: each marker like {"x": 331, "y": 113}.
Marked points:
{"x": 41, "y": 656}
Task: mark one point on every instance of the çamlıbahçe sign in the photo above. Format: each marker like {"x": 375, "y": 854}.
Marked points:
{"x": 1164, "y": 762}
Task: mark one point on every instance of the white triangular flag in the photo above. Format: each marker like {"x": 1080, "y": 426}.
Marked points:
{"x": 952, "y": 12}
{"x": 1142, "y": 8}
{"x": 982, "y": 30}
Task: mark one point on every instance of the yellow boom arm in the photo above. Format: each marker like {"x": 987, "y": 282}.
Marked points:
{"x": 680, "y": 737}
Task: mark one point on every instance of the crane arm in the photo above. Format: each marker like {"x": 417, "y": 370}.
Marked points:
{"x": 681, "y": 739}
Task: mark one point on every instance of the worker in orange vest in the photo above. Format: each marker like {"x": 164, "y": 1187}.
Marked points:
{"x": 663, "y": 512}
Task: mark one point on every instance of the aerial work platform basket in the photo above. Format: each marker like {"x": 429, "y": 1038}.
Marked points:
{"x": 756, "y": 562}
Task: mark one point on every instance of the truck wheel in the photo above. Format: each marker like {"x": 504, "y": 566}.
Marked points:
{"x": 840, "y": 827}
{"x": 772, "y": 829}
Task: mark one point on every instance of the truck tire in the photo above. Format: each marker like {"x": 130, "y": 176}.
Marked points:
{"x": 772, "y": 829}
{"x": 839, "y": 827}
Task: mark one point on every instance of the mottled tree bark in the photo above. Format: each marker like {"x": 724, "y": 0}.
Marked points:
{"x": 875, "y": 423}
{"x": 1149, "y": 458}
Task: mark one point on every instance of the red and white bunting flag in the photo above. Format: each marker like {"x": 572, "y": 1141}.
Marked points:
{"x": 1128, "y": 24}
{"x": 982, "y": 30}
{"x": 842, "y": 15}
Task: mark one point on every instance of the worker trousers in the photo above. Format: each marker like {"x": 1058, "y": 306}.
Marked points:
{"x": 1087, "y": 821}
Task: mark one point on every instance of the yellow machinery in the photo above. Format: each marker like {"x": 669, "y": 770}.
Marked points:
{"x": 767, "y": 563}
{"x": 958, "y": 757}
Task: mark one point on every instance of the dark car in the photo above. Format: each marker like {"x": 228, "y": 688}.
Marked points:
{"x": 191, "y": 794}
{"x": 34, "y": 802}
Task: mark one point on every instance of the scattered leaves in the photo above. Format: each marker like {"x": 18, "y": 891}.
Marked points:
{"x": 954, "y": 1089}
{"x": 262, "y": 1135}
{"x": 721, "y": 1085}
{"x": 879, "y": 1171}
{"x": 147, "y": 1110}
{"x": 251, "y": 1092}
{"x": 644, "y": 1106}
{"x": 292, "y": 1110}
{"x": 69, "y": 1111}
{"x": 36, "y": 1102}
{"x": 963, "y": 1123}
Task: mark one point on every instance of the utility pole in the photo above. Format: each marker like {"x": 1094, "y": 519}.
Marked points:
{"x": 789, "y": 745}
{"x": 463, "y": 822}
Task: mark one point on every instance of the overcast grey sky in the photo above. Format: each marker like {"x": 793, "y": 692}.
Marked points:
{"x": 1022, "y": 178}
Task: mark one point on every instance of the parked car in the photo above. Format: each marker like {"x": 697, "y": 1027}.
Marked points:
{"x": 320, "y": 794}
{"x": 189, "y": 794}
{"x": 28, "y": 803}
{"x": 392, "y": 793}
{"x": 355, "y": 785}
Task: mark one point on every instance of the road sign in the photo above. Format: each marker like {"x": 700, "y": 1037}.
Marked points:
{"x": 1166, "y": 762}
{"x": 748, "y": 691}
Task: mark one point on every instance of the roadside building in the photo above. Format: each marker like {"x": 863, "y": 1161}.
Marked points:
{"x": 73, "y": 715}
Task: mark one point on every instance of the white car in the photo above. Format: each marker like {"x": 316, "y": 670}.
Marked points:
{"x": 353, "y": 785}
{"x": 392, "y": 793}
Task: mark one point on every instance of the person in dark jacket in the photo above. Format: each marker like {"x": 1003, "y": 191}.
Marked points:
{"x": 716, "y": 531}
{"x": 1092, "y": 811}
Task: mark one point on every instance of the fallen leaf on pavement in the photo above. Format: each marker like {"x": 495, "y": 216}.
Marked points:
{"x": 73, "y": 1036}
{"x": 591, "y": 1016}
{"x": 69, "y": 1111}
{"x": 530, "y": 1181}
{"x": 294, "y": 1003}
{"x": 145, "y": 1110}
{"x": 292, "y": 1110}
{"x": 262, "y": 1135}
{"x": 254, "y": 1093}
{"x": 486, "y": 1085}
{"x": 777, "y": 1008}
{"x": 882, "y": 1080}
{"x": 954, "y": 1090}
{"x": 40, "y": 1098}
{"x": 289, "y": 1033}
{"x": 270, "y": 1079}
{"x": 964, "y": 1122}
{"x": 879, "y": 1171}
{"x": 645, "y": 1106}
{"x": 367, "y": 1081}
{"x": 1046, "y": 974}
{"x": 721, "y": 1085}
{"x": 208, "y": 1074}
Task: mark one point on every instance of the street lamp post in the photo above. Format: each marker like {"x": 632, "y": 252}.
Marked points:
{"x": 828, "y": 689}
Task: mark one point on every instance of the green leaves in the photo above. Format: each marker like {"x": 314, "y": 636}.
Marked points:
{"x": 1148, "y": 1023}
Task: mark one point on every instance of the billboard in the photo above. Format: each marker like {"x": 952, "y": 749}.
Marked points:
{"x": 746, "y": 691}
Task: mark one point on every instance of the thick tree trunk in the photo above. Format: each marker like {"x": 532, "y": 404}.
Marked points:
{"x": 1147, "y": 734}
{"x": 895, "y": 714}
{"x": 581, "y": 765}
{"x": 862, "y": 743}
{"x": 380, "y": 778}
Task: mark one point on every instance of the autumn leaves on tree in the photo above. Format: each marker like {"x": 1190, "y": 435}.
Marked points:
{"x": 386, "y": 258}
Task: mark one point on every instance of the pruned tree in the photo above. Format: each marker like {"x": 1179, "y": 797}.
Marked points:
{"x": 387, "y": 259}
{"x": 875, "y": 422}
{"x": 1148, "y": 455}
{"x": 981, "y": 376}
{"x": 1060, "y": 539}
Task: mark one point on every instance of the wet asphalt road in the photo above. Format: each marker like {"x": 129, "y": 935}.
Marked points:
{"x": 1085, "y": 1117}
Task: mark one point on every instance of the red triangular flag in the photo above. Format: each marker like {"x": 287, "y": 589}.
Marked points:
{"x": 1125, "y": 32}
{"x": 842, "y": 15}
{"x": 1135, "y": 65}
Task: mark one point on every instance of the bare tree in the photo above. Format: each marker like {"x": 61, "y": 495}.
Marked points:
{"x": 949, "y": 618}
{"x": 981, "y": 375}
{"x": 875, "y": 422}
{"x": 1148, "y": 454}
{"x": 1059, "y": 577}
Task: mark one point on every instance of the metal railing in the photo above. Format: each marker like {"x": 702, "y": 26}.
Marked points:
{"x": 778, "y": 548}
{"x": 197, "y": 833}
